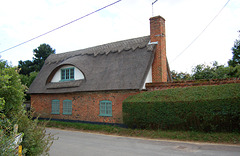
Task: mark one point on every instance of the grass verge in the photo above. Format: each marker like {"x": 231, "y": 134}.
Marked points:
{"x": 227, "y": 138}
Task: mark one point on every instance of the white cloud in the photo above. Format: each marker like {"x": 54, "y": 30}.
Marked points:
{"x": 185, "y": 19}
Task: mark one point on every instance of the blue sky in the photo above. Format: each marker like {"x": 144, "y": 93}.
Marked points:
{"x": 185, "y": 20}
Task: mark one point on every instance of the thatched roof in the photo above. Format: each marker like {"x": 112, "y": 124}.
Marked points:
{"x": 121, "y": 65}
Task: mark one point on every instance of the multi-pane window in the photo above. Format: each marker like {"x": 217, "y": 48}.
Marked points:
{"x": 67, "y": 74}
{"x": 67, "y": 107}
{"x": 105, "y": 108}
{"x": 55, "y": 107}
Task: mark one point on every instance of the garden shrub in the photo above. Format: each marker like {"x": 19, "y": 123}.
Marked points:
{"x": 35, "y": 141}
{"x": 204, "y": 108}
{"x": 6, "y": 135}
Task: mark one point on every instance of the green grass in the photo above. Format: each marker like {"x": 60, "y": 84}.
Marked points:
{"x": 229, "y": 138}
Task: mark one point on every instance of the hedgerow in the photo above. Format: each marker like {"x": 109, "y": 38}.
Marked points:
{"x": 204, "y": 108}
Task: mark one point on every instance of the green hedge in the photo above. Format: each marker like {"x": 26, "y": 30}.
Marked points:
{"x": 205, "y": 108}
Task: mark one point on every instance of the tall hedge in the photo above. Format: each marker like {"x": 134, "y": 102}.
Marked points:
{"x": 204, "y": 108}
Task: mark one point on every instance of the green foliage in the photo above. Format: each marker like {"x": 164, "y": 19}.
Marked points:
{"x": 6, "y": 134}
{"x": 82, "y": 126}
{"x": 5, "y": 146}
{"x": 11, "y": 90}
{"x": 235, "y": 71}
{"x": 215, "y": 71}
{"x": 40, "y": 55}
{"x": 2, "y": 104}
{"x": 208, "y": 72}
{"x": 232, "y": 138}
{"x": 35, "y": 140}
{"x": 180, "y": 76}
{"x": 26, "y": 67}
{"x": 205, "y": 108}
{"x": 5, "y": 124}
{"x": 236, "y": 54}
{"x": 28, "y": 70}
{"x": 27, "y": 80}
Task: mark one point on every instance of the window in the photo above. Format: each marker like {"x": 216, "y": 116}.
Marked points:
{"x": 67, "y": 107}
{"x": 55, "y": 107}
{"x": 67, "y": 74}
{"x": 105, "y": 108}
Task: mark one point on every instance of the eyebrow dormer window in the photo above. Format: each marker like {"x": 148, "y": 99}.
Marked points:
{"x": 67, "y": 74}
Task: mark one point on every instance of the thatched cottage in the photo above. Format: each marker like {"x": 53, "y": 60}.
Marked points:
{"x": 90, "y": 84}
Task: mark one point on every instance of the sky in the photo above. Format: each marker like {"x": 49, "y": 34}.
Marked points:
{"x": 185, "y": 20}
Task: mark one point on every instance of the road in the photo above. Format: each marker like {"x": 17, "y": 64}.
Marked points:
{"x": 74, "y": 143}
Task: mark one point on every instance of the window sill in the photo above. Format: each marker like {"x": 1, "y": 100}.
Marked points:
{"x": 105, "y": 115}
{"x": 64, "y": 84}
{"x": 67, "y": 80}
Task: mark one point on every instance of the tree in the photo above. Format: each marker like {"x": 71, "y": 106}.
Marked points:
{"x": 35, "y": 140}
{"x": 235, "y": 71}
{"x": 41, "y": 54}
{"x": 180, "y": 76}
{"x": 11, "y": 89}
{"x": 236, "y": 53}
{"x": 26, "y": 67}
{"x": 215, "y": 71}
{"x": 203, "y": 71}
{"x": 29, "y": 69}
{"x": 27, "y": 80}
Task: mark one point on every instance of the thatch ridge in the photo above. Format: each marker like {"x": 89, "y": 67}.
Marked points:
{"x": 119, "y": 46}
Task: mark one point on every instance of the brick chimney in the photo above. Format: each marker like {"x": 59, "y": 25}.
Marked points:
{"x": 157, "y": 34}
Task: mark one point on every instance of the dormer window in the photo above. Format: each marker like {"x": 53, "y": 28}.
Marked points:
{"x": 67, "y": 74}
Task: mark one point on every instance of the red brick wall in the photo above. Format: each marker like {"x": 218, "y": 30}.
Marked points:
{"x": 182, "y": 84}
{"x": 85, "y": 105}
{"x": 157, "y": 34}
